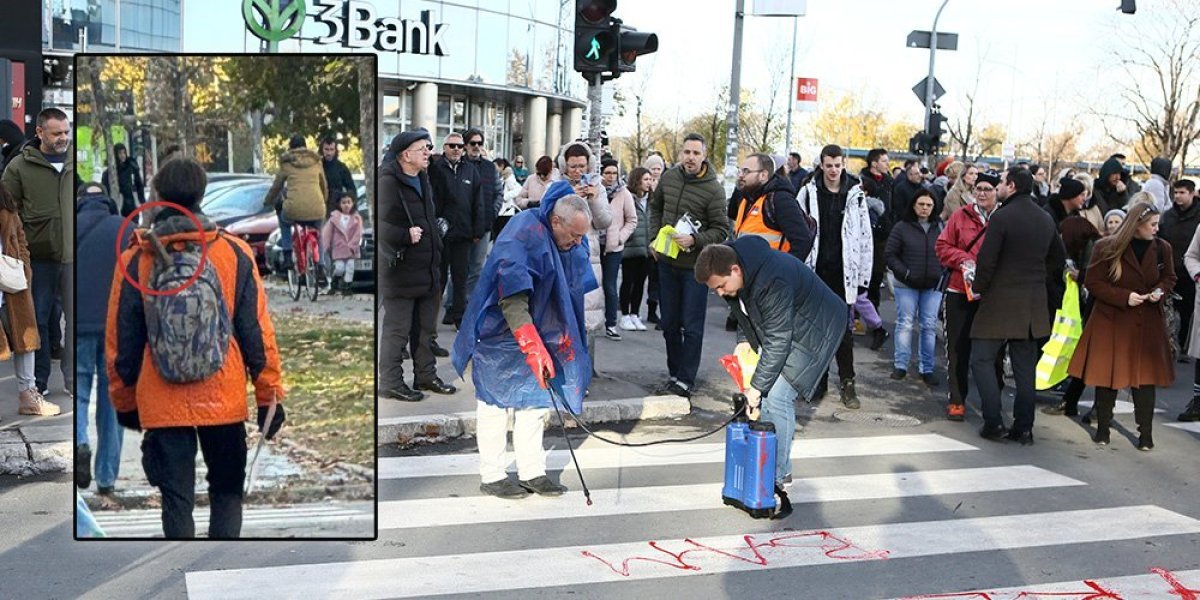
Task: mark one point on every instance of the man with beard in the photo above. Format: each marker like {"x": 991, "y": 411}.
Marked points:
{"x": 766, "y": 207}
{"x": 337, "y": 175}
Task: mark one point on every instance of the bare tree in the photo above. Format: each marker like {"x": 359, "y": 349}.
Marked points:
{"x": 962, "y": 131}
{"x": 1160, "y": 86}
{"x": 366, "y": 125}
{"x": 101, "y": 120}
{"x": 762, "y": 127}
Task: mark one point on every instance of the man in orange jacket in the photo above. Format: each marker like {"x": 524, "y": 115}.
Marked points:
{"x": 145, "y": 372}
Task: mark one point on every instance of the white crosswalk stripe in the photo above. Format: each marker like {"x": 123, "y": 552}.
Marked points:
{"x": 435, "y": 499}
{"x": 1192, "y": 426}
{"x": 1161, "y": 585}
{"x": 148, "y": 523}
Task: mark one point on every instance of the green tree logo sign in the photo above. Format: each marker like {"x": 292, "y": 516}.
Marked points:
{"x": 272, "y": 23}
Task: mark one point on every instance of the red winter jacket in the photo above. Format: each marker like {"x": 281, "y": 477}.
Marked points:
{"x": 951, "y": 245}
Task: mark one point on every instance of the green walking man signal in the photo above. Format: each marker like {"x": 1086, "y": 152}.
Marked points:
{"x": 594, "y": 53}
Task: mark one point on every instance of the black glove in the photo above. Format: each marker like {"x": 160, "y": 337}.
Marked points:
{"x": 129, "y": 420}
{"x": 276, "y": 423}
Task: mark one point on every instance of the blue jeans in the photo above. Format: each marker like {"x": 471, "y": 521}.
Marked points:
{"x": 910, "y": 303}
{"x": 44, "y": 286}
{"x": 610, "y": 266}
{"x": 684, "y": 303}
{"x": 475, "y": 259}
{"x": 779, "y": 408}
{"x": 285, "y": 229}
{"x": 89, "y": 362}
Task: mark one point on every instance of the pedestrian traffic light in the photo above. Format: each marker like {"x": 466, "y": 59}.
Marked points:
{"x": 631, "y": 44}
{"x": 918, "y": 144}
{"x": 935, "y": 131}
{"x": 595, "y": 36}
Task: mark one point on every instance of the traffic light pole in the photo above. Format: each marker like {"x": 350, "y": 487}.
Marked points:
{"x": 595, "y": 116}
{"x": 735, "y": 93}
{"x": 929, "y": 80}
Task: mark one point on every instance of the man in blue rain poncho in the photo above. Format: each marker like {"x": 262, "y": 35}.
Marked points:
{"x": 523, "y": 332}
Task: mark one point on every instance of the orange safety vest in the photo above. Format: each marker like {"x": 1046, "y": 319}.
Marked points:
{"x": 751, "y": 222}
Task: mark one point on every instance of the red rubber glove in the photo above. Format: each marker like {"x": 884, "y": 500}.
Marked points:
{"x": 535, "y": 352}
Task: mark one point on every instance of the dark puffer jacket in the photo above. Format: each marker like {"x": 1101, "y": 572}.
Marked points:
{"x": 911, "y": 255}
{"x": 402, "y": 206}
{"x": 700, "y": 196}
{"x": 459, "y": 194}
{"x": 1177, "y": 227}
{"x": 97, "y": 225}
{"x": 782, "y": 213}
{"x": 791, "y": 318}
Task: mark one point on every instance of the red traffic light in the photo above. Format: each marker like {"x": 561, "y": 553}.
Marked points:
{"x": 595, "y": 12}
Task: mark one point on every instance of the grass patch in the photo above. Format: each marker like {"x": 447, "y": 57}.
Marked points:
{"x": 329, "y": 373}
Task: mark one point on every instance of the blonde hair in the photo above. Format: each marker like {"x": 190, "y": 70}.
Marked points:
{"x": 1087, "y": 181}
{"x": 1142, "y": 197}
{"x": 954, "y": 170}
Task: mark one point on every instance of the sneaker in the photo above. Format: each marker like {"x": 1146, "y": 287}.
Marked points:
{"x": 626, "y": 323}
{"x": 879, "y": 335}
{"x": 849, "y": 396}
{"x": 956, "y": 412}
{"x": 898, "y": 374}
{"x": 1145, "y": 443}
{"x": 1192, "y": 412}
{"x": 542, "y": 486}
{"x": 504, "y": 488}
{"x": 611, "y": 333}
{"x": 83, "y": 466}
{"x": 637, "y": 323}
{"x": 929, "y": 379}
{"x": 33, "y": 403}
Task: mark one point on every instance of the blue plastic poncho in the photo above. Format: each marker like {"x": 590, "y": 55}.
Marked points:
{"x": 525, "y": 259}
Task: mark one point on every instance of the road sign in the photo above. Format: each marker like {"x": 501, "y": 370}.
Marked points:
{"x": 806, "y": 94}
{"x": 921, "y": 39}
{"x": 919, "y": 89}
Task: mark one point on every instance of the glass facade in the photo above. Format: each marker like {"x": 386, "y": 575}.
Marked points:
{"x": 112, "y": 25}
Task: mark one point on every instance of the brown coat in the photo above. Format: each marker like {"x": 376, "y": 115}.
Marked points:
{"x": 19, "y": 306}
{"x": 1126, "y": 346}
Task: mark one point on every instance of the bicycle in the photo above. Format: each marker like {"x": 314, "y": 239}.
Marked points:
{"x": 306, "y": 268}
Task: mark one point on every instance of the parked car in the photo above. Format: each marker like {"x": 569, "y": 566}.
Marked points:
{"x": 256, "y": 231}
{"x": 236, "y": 199}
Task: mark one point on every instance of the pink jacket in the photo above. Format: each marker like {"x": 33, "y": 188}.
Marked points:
{"x": 343, "y": 239}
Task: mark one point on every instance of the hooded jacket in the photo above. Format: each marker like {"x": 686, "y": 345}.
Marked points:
{"x": 459, "y": 195}
{"x": 46, "y": 200}
{"x": 1104, "y": 195}
{"x": 847, "y": 210}
{"x": 133, "y": 379}
{"x": 301, "y": 170}
{"x": 700, "y": 196}
{"x": 781, "y": 212}
{"x": 96, "y": 238}
{"x": 129, "y": 183}
{"x": 401, "y": 206}
{"x": 911, "y": 253}
{"x": 1159, "y": 185}
{"x": 788, "y": 315}
{"x": 624, "y": 219}
{"x": 526, "y": 260}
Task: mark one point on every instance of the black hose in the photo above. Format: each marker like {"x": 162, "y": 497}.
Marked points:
{"x": 584, "y": 426}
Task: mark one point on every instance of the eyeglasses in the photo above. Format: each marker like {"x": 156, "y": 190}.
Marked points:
{"x": 984, "y": 189}
{"x": 749, "y": 171}
{"x": 454, "y": 146}
{"x": 475, "y": 143}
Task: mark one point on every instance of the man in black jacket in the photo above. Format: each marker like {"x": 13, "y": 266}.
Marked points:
{"x": 337, "y": 175}
{"x": 787, "y": 315}
{"x": 1178, "y": 226}
{"x": 766, "y": 207}
{"x": 877, "y": 183}
{"x": 129, "y": 182}
{"x": 905, "y": 189}
{"x": 409, "y": 269}
{"x": 492, "y": 192}
{"x": 458, "y": 191}
{"x": 1021, "y": 250}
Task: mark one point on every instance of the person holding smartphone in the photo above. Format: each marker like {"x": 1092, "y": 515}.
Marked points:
{"x": 1124, "y": 342}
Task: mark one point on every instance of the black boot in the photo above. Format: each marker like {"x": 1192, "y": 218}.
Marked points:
{"x": 651, "y": 312}
{"x": 1192, "y": 412}
{"x": 1103, "y": 410}
{"x": 1143, "y": 414}
{"x": 346, "y": 291}
{"x": 225, "y": 516}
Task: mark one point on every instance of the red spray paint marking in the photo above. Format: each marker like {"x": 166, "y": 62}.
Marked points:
{"x": 1096, "y": 592}
{"x": 567, "y": 347}
{"x": 829, "y": 544}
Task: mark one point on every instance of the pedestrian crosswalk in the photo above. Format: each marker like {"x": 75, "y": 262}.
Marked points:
{"x": 348, "y": 520}
{"x": 657, "y": 523}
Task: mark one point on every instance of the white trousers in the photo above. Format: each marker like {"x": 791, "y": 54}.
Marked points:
{"x": 492, "y": 436}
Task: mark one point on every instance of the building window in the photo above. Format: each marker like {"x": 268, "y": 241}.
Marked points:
{"x": 396, "y": 116}
{"x": 451, "y": 116}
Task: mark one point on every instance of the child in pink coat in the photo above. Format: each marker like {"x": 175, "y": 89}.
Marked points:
{"x": 342, "y": 234}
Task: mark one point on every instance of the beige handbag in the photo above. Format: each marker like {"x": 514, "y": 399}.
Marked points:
{"x": 12, "y": 275}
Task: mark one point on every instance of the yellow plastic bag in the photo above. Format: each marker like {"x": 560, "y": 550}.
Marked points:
{"x": 748, "y": 359}
{"x": 1064, "y": 336}
{"x": 665, "y": 242}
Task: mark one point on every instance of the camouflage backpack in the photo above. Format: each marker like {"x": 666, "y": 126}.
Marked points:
{"x": 189, "y": 330}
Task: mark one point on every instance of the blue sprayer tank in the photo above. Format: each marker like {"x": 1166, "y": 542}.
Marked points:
{"x": 750, "y": 465}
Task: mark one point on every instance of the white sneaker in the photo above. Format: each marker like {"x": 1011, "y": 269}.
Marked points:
{"x": 637, "y": 322}
{"x": 611, "y": 333}
{"x": 626, "y": 323}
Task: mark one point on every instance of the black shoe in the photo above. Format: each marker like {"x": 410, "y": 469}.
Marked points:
{"x": 83, "y": 466}
{"x": 1192, "y": 412}
{"x": 403, "y": 393}
{"x": 1101, "y": 437}
{"x": 651, "y": 313}
{"x": 447, "y": 320}
{"x": 56, "y": 353}
{"x": 437, "y": 386}
{"x": 504, "y": 488}
{"x": 1145, "y": 442}
{"x": 879, "y": 335}
{"x": 438, "y": 351}
{"x": 1062, "y": 408}
{"x": 346, "y": 290}
{"x": 898, "y": 374}
{"x": 1024, "y": 437}
{"x": 849, "y": 395}
{"x": 994, "y": 434}
{"x": 542, "y": 486}
{"x": 929, "y": 379}
{"x": 676, "y": 388}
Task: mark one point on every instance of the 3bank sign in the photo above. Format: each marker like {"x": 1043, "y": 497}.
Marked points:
{"x": 351, "y": 23}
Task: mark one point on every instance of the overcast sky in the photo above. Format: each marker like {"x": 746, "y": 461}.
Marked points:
{"x": 1034, "y": 57}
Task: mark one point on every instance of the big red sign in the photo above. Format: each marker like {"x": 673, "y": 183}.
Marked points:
{"x": 806, "y": 89}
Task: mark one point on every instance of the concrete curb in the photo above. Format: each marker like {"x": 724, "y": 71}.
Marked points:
{"x": 418, "y": 429}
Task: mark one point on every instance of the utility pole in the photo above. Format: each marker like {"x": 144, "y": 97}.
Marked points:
{"x": 929, "y": 80}
{"x": 787, "y": 141}
{"x": 735, "y": 92}
{"x": 595, "y": 105}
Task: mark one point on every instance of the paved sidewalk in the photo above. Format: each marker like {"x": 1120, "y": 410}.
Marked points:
{"x": 33, "y": 445}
